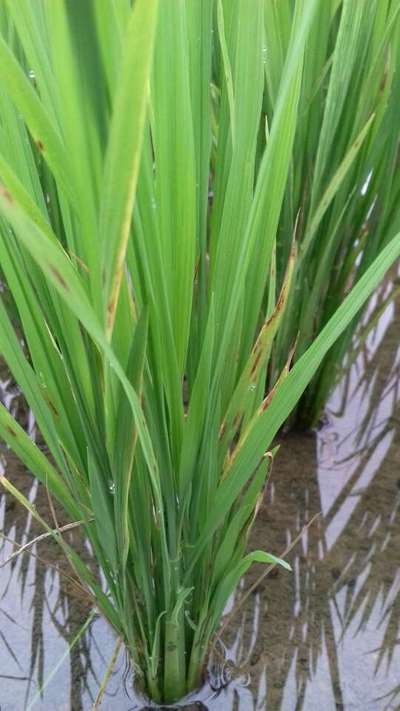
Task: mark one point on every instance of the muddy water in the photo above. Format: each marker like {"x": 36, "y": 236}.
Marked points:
{"x": 326, "y": 636}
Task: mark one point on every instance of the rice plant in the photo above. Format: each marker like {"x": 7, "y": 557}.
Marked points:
{"x": 140, "y": 199}
{"x": 343, "y": 187}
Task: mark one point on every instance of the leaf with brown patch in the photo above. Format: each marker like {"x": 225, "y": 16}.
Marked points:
{"x": 59, "y": 277}
{"x": 4, "y": 192}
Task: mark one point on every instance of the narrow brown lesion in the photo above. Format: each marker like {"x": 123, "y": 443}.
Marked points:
{"x": 59, "y": 277}
{"x": 382, "y": 84}
{"x": 267, "y": 401}
{"x": 40, "y": 146}
{"x": 236, "y": 420}
{"x": 256, "y": 362}
{"x": 4, "y": 192}
{"x": 52, "y": 408}
{"x": 11, "y": 431}
{"x": 110, "y": 313}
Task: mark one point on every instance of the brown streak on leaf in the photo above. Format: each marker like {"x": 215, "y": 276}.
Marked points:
{"x": 4, "y": 192}
{"x": 52, "y": 408}
{"x": 236, "y": 420}
{"x": 11, "y": 431}
{"x": 383, "y": 80}
{"x": 267, "y": 400}
{"x": 255, "y": 364}
{"x": 59, "y": 277}
{"x": 283, "y": 375}
{"x": 110, "y": 312}
{"x": 79, "y": 262}
{"x": 281, "y": 300}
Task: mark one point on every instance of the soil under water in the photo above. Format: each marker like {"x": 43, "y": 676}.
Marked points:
{"x": 326, "y": 636}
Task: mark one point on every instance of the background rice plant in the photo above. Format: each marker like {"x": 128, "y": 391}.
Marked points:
{"x": 342, "y": 192}
{"x": 141, "y": 195}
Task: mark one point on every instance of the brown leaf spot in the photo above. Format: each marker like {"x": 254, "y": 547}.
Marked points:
{"x": 52, "y": 408}
{"x": 281, "y": 300}
{"x": 267, "y": 400}
{"x": 110, "y": 312}
{"x": 255, "y": 364}
{"x": 11, "y": 431}
{"x": 40, "y": 145}
{"x": 59, "y": 277}
{"x": 4, "y": 192}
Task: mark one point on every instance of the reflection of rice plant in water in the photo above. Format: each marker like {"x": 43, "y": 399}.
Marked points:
{"x": 146, "y": 346}
{"x": 47, "y": 587}
{"x": 49, "y": 593}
